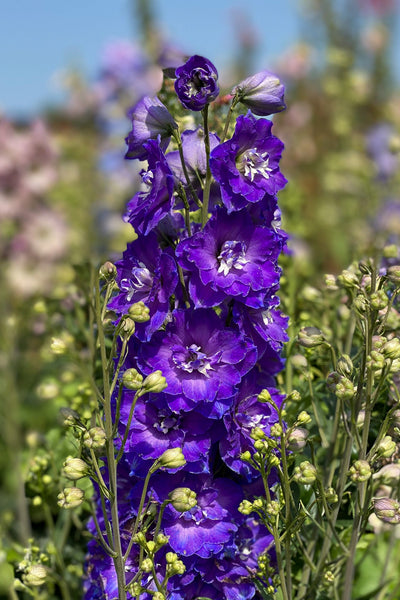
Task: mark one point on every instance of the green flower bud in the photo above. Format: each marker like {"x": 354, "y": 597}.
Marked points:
{"x": 35, "y": 575}
{"x": 379, "y": 300}
{"x": 375, "y": 361}
{"x": 360, "y": 419}
{"x": 161, "y": 540}
{"x": 392, "y": 348}
{"x": 135, "y": 589}
{"x": 348, "y": 279}
{"x": 94, "y": 438}
{"x": 132, "y": 379}
{"x": 58, "y": 345}
{"x": 147, "y": 565}
{"x": 305, "y": 473}
{"x": 126, "y": 328}
{"x": 294, "y": 396}
{"x": 330, "y": 282}
{"x": 274, "y": 461}
{"x": 344, "y": 365}
{"x": 245, "y": 507}
{"x": 310, "y": 337}
{"x": 171, "y": 557}
{"x": 329, "y": 577}
{"x": 264, "y": 396}
{"x": 37, "y": 501}
{"x": 183, "y": 499}
{"x": 272, "y": 508}
{"x": 345, "y": 389}
{"x": 108, "y": 271}
{"x": 172, "y": 458}
{"x": 276, "y": 430}
{"x": 159, "y": 596}
{"x": 390, "y": 251}
{"x": 299, "y": 362}
{"x": 303, "y": 418}
{"x": 75, "y": 468}
{"x": 387, "y": 510}
{"x": 360, "y": 471}
{"x": 331, "y": 495}
{"x": 70, "y": 497}
{"x": 257, "y": 434}
{"x": 360, "y": 303}
{"x": 386, "y": 447}
{"x": 155, "y": 382}
{"x": 139, "y": 312}
{"x": 297, "y": 439}
{"x": 393, "y": 274}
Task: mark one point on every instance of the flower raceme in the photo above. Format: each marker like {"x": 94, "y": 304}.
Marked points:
{"x": 213, "y": 331}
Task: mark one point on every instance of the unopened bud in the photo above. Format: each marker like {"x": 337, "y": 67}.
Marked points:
{"x": 272, "y": 508}
{"x": 147, "y": 565}
{"x": 58, "y": 345}
{"x": 139, "y": 312}
{"x": 297, "y": 439}
{"x": 392, "y": 348}
{"x": 330, "y": 281}
{"x": 159, "y": 596}
{"x": 132, "y": 379}
{"x": 331, "y": 496}
{"x": 387, "y": 510}
{"x": 386, "y": 447}
{"x": 360, "y": 303}
{"x": 35, "y": 575}
{"x": 310, "y": 337}
{"x": 172, "y": 458}
{"x": 388, "y": 474}
{"x": 393, "y": 274}
{"x": 108, "y": 271}
{"x": 375, "y": 361}
{"x": 276, "y": 430}
{"x": 264, "y": 396}
{"x": 126, "y": 328}
{"x": 379, "y": 300}
{"x": 348, "y": 279}
{"x": 303, "y": 418}
{"x": 155, "y": 382}
{"x": 294, "y": 396}
{"x": 245, "y": 507}
{"x": 257, "y": 434}
{"x": 299, "y": 362}
{"x": 161, "y": 540}
{"x": 305, "y": 473}
{"x": 246, "y": 456}
{"x": 345, "y": 389}
{"x": 70, "y": 497}
{"x": 183, "y": 499}
{"x": 390, "y": 251}
{"x": 344, "y": 365}
{"x": 75, "y": 468}
{"x": 69, "y": 417}
{"x": 94, "y": 438}
{"x": 360, "y": 471}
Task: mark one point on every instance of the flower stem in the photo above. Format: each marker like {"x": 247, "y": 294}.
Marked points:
{"x": 206, "y": 193}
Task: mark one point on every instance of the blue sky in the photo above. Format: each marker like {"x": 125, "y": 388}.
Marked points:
{"x": 39, "y": 38}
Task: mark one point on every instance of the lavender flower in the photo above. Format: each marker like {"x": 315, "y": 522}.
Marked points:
{"x": 196, "y": 83}
{"x": 150, "y": 118}
{"x": 262, "y": 93}
{"x": 247, "y": 165}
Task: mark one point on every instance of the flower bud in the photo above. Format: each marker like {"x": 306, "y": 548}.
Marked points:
{"x": 108, "y": 271}
{"x": 348, "y": 279}
{"x": 344, "y": 365}
{"x": 172, "y": 458}
{"x": 246, "y": 456}
{"x": 264, "y": 396}
{"x": 393, "y": 274}
{"x": 257, "y": 434}
{"x": 276, "y": 430}
{"x": 70, "y": 497}
{"x": 331, "y": 495}
{"x": 147, "y": 565}
{"x": 94, "y": 438}
{"x": 139, "y": 312}
{"x": 303, "y": 418}
{"x": 388, "y": 474}
{"x": 305, "y": 473}
{"x": 155, "y": 382}
{"x": 132, "y": 379}
{"x": 387, "y": 510}
{"x": 245, "y": 507}
{"x": 299, "y": 362}
{"x": 297, "y": 439}
{"x": 161, "y": 540}
{"x": 263, "y": 93}
{"x": 360, "y": 471}
{"x": 345, "y": 389}
{"x": 159, "y": 596}
{"x": 58, "y": 345}
{"x": 386, "y": 447}
{"x": 126, "y": 328}
{"x": 310, "y": 337}
{"x": 69, "y": 417}
{"x": 392, "y": 348}
{"x": 35, "y": 575}
{"x": 390, "y": 251}
{"x": 183, "y": 499}
{"x": 375, "y": 361}
{"x": 379, "y": 300}
{"x": 272, "y": 508}
{"x": 360, "y": 303}
{"x": 330, "y": 281}
{"x": 75, "y": 468}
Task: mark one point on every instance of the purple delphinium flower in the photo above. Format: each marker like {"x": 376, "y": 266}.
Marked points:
{"x": 230, "y": 257}
{"x": 196, "y": 83}
{"x": 150, "y": 118}
{"x": 145, "y": 274}
{"x": 247, "y": 165}
{"x": 378, "y": 147}
{"x": 262, "y": 93}
{"x": 198, "y": 356}
{"x": 148, "y": 207}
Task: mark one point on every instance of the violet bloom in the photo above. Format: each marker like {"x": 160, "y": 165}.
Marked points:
{"x": 247, "y": 165}
{"x": 150, "y": 118}
{"x": 149, "y": 206}
{"x": 266, "y": 324}
{"x": 198, "y": 356}
{"x": 194, "y": 153}
{"x": 378, "y": 148}
{"x": 145, "y": 274}
{"x": 230, "y": 257}
{"x": 196, "y": 83}
{"x": 262, "y": 93}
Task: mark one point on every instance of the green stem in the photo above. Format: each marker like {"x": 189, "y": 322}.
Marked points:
{"x": 207, "y": 186}
{"x": 228, "y": 118}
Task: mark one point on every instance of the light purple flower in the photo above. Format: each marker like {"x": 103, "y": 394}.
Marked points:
{"x": 262, "y": 93}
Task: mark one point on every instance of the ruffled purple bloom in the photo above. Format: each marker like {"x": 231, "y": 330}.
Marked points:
{"x": 149, "y": 206}
{"x": 150, "y": 119}
{"x": 196, "y": 83}
{"x": 262, "y": 93}
{"x": 198, "y": 356}
{"x": 230, "y": 257}
{"x": 266, "y": 324}
{"x": 145, "y": 274}
{"x": 247, "y": 165}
